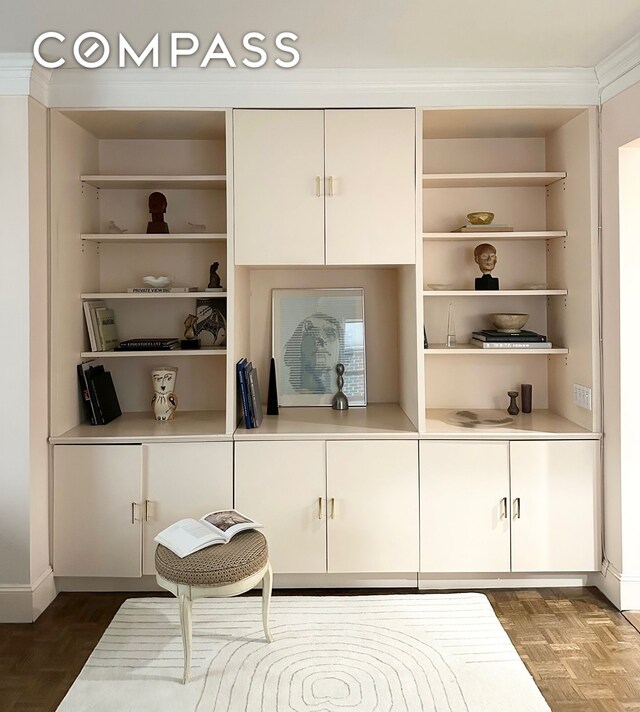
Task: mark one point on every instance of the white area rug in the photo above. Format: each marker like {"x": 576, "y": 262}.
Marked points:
{"x": 397, "y": 653}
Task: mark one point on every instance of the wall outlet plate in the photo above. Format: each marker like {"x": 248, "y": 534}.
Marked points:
{"x": 582, "y": 396}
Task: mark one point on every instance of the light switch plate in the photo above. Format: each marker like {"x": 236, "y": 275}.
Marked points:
{"x": 582, "y": 396}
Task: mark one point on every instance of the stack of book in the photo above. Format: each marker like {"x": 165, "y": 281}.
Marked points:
{"x": 249, "y": 394}
{"x": 523, "y": 339}
{"x": 483, "y": 228}
{"x": 98, "y": 394}
{"x": 101, "y": 325}
{"x": 168, "y": 344}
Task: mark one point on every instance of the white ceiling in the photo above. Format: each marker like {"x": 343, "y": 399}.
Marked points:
{"x": 355, "y": 33}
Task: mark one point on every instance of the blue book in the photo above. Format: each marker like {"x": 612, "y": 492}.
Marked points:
{"x": 244, "y": 392}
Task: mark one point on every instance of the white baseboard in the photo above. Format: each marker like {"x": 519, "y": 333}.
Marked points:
{"x": 25, "y": 602}
{"x": 98, "y": 583}
{"x": 622, "y": 590}
{"x": 409, "y": 580}
{"x": 474, "y": 581}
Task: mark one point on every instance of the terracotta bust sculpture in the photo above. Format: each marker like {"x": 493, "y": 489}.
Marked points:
{"x": 157, "y": 208}
{"x": 486, "y": 258}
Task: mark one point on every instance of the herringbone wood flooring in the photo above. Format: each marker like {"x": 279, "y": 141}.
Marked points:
{"x": 582, "y": 653}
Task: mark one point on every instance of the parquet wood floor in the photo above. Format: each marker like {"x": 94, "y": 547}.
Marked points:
{"x": 583, "y": 654}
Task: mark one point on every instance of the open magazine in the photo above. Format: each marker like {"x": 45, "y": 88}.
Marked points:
{"x": 190, "y": 535}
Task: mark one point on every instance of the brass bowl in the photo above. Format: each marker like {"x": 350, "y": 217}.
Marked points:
{"x": 481, "y": 218}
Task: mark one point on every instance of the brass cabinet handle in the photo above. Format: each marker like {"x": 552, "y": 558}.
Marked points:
{"x": 333, "y": 508}
{"x": 318, "y": 189}
{"x": 147, "y": 507}
{"x": 319, "y": 507}
{"x": 503, "y": 508}
{"x": 331, "y": 186}
{"x": 133, "y": 512}
{"x": 516, "y": 504}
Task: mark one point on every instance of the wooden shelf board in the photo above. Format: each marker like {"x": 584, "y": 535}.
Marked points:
{"x": 462, "y": 349}
{"x": 164, "y": 353}
{"x": 151, "y": 295}
{"x": 207, "y": 182}
{"x": 143, "y": 237}
{"x": 490, "y": 180}
{"x": 378, "y": 421}
{"x": 188, "y": 426}
{"x": 486, "y": 234}
{"x": 538, "y": 425}
{"x": 497, "y": 293}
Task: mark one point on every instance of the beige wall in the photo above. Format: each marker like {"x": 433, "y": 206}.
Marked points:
{"x": 620, "y": 126}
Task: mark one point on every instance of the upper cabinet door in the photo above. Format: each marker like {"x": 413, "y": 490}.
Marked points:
{"x": 554, "y": 492}
{"x": 279, "y": 187}
{"x": 370, "y": 177}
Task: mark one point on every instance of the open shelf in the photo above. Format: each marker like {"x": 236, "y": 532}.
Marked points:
{"x": 540, "y": 424}
{"x": 497, "y": 293}
{"x": 490, "y": 180}
{"x": 378, "y": 421}
{"x": 461, "y": 349}
{"x": 143, "y": 237}
{"x": 124, "y": 181}
{"x": 488, "y": 235}
{"x": 188, "y": 426}
{"x": 163, "y": 353}
{"x": 151, "y": 295}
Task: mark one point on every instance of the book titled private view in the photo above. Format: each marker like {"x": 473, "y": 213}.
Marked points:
{"x": 190, "y": 535}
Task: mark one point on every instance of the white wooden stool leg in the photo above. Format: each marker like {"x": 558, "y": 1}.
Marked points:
{"x": 185, "y": 625}
{"x": 267, "y": 584}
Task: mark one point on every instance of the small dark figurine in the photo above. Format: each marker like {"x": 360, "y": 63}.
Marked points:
{"x": 486, "y": 258}
{"x": 157, "y": 208}
{"x": 340, "y": 401}
{"x": 513, "y": 406}
{"x": 214, "y": 277}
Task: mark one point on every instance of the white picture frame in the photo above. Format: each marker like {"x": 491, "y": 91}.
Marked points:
{"x": 312, "y": 331}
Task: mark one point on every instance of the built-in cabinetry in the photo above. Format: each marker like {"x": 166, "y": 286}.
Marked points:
{"x": 332, "y": 505}
{"x": 520, "y": 506}
{"x": 324, "y": 187}
{"x": 109, "y": 501}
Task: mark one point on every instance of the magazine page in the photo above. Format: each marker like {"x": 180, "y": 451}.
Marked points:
{"x": 228, "y": 522}
{"x": 188, "y": 535}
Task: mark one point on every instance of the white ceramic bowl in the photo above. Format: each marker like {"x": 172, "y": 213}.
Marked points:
{"x": 509, "y": 323}
{"x": 157, "y": 282}
{"x": 439, "y": 287}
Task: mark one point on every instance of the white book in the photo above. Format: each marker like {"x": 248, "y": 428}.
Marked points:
{"x": 511, "y": 345}
{"x": 89, "y": 308}
{"x": 190, "y": 535}
{"x": 161, "y": 290}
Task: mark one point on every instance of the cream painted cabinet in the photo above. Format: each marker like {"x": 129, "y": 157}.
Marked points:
{"x": 282, "y": 485}
{"x": 358, "y": 498}
{"x": 521, "y": 506}
{"x": 555, "y": 504}
{"x": 111, "y": 500}
{"x": 372, "y": 506}
{"x": 464, "y": 507}
{"x": 324, "y": 187}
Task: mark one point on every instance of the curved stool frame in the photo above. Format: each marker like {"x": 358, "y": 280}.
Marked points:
{"x": 186, "y": 594}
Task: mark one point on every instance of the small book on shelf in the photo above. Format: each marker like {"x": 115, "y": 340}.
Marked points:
{"x": 243, "y": 392}
{"x": 107, "y": 329}
{"x": 98, "y": 394}
{"x": 190, "y": 535}
{"x": 511, "y": 345}
{"x": 255, "y": 404}
{"x": 490, "y": 335}
{"x": 89, "y": 307}
{"x": 161, "y": 290}
{"x": 484, "y": 228}
{"x": 160, "y": 344}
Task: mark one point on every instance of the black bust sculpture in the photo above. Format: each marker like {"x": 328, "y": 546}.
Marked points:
{"x": 157, "y": 208}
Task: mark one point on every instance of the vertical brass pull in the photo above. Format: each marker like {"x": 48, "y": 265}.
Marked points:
{"x": 318, "y": 189}
{"x": 331, "y": 186}
{"x": 147, "y": 506}
{"x": 133, "y": 512}
{"x": 333, "y": 508}
{"x": 516, "y": 504}
{"x": 503, "y": 508}
{"x": 319, "y": 507}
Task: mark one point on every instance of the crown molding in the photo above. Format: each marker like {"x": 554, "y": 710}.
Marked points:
{"x": 620, "y": 69}
{"x": 271, "y": 88}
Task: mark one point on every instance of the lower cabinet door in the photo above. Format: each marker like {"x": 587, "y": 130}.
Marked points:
{"x": 554, "y": 493}
{"x": 183, "y": 480}
{"x": 282, "y": 485}
{"x": 372, "y": 490}
{"x": 464, "y": 503}
{"x": 97, "y": 492}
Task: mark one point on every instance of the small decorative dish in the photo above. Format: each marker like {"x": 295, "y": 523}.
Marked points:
{"x": 439, "y": 287}
{"x": 157, "y": 282}
{"x": 480, "y": 218}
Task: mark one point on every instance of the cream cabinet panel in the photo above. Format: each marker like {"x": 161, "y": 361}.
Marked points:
{"x": 183, "y": 480}
{"x": 279, "y": 187}
{"x": 370, "y": 171}
{"x": 282, "y": 485}
{"x": 97, "y": 490}
{"x": 554, "y": 493}
{"x": 372, "y": 506}
{"x": 464, "y": 503}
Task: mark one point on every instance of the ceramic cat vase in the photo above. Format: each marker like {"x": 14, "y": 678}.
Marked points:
{"x": 164, "y": 398}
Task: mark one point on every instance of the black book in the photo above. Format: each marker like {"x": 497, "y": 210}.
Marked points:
{"x": 102, "y": 389}
{"x": 148, "y": 345}
{"x": 499, "y": 336}
{"x": 85, "y": 394}
{"x": 254, "y": 395}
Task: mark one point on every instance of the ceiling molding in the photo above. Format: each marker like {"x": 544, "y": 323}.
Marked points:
{"x": 620, "y": 69}
{"x": 269, "y": 88}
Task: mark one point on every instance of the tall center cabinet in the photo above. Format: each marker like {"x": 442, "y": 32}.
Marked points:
{"x": 333, "y": 198}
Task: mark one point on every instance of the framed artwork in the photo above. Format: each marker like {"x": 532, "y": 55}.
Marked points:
{"x": 313, "y": 331}
{"x": 211, "y": 321}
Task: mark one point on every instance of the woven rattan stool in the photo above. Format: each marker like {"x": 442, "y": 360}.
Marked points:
{"x": 217, "y": 571}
